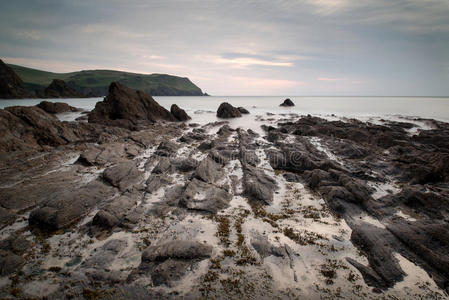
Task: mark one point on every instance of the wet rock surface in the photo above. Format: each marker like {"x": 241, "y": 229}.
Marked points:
{"x": 304, "y": 207}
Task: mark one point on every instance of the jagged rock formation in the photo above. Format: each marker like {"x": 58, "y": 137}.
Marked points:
{"x": 126, "y": 108}
{"x": 11, "y": 86}
{"x": 179, "y": 113}
{"x": 226, "y": 111}
{"x": 56, "y": 107}
{"x": 59, "y": 89}
{"x": 287, "y": 102}
{"x": 243, "y": 110}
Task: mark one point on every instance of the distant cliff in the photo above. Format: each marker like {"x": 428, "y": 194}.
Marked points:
{"x": 11, "y": 86}
{"x": 95, "y": 83}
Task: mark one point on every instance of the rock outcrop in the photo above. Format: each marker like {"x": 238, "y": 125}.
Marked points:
{"x": 179, "y": 113}
{"x": 287, "y": 102}
{"x": 243, "y": 110}
{"x": 11, "y": 86}
{"x": 226, "y": 111}
{"x": 59, "y": 89}
{"x": 124, "y": 107}
{"x": 56, "y": 107}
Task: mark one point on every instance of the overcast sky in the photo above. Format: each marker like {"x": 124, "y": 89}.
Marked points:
{"x": 227, "y": 47}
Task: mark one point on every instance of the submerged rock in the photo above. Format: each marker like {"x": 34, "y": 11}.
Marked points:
{"x": 226, "y": 111}
{"x": 179, "y": 113}
{"x": 287, "y": 102}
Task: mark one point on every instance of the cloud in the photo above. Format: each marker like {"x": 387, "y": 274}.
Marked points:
{"x": 329, "y": 79}
{"x": 241, "y": 62}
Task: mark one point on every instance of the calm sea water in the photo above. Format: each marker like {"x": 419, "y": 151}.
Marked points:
{"x": 203, "y": 109}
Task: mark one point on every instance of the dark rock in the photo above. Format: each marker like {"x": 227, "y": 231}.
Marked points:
{"x": 203, "y": 196}
{"x": 287, "y": 102}
{"x": 155, "y": 182}
{"x": 179, "y": 113}
{"x": 258, "y": 185}
{"x": 376, "y": 243}
{"x": 59, "y": 89}
{"x": 226, "y": 111}
{"x": 105, "y": 220}
{"x": 56, "y": 107}
{"x": 124, "y": 107}
{"x": 207, "y": 145}
{"x": 10, "y": 263}
{"x": 67, "y": 206}
{"x": 163, "y": 166}
{"x": 170, "y": 261}
{"x": 185, "y": 165}
{"x": 243, "y": 111}
{"x": 11, "y": 86}
{"x": 166, "y": 148}
{"x": 291, "y": 177}
{"x": 124, "y": 175}
{"x": 209, "y": 171}
{"x": 178, "y": 249}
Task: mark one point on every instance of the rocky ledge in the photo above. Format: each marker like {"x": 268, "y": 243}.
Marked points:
{"x": 305, "y": 207}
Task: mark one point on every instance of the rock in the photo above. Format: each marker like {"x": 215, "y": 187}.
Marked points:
{"x": 123, "y": 175}
{"x": 185, "y": 165}
{"x": 56, "y": 107}
{"x": 166, "y": 148}
{"x": 371, "y": 278}
{"x": 155, "y": 182}
{"x": 265, "y": 249}
{"x": 126, "y": 108}
{"x": 170, "y": 261}
{"x": 17, "y": 244}
{"x": 178, "y": 249}
{"x": 163, "y": 166}
{"x": 243, "y": 111}
{"x": 179, "y": 113}
{"x": 226, "y": 111}
{"x": 291, "y": 177}
{"x": 207, "y": 145}
{"x": 105, "y": 255}
{"x": 287, "y": 102}
{"x": 59, "y": 89}
{"x": 376, "y": 243}
{"x": 10, "y": 263}
{"x": 250, "y": 157}
{"x": 203, "y": 196}
{"x": 65, "y": 207}
{"x": 105, "y": 220}
{"x": 208, "y": 171}
{"x": 11, "y": 86}
{"x": 258, "y": 185}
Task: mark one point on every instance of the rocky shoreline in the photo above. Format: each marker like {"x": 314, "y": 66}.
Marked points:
{"x": 137, "y": 204}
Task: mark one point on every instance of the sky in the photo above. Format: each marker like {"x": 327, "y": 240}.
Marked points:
{"x": 230, "y": 47}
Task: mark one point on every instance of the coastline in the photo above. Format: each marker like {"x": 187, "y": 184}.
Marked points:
{"x": 267, "y": 199}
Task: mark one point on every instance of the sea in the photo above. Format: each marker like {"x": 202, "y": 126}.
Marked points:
{"x": 203, "y": 109}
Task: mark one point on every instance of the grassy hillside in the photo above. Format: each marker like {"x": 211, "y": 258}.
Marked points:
{"x": 96, "y": 82}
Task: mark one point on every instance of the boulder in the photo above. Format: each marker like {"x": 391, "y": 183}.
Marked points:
{"x": 170, "y": 261}
{"x": 287, "y": 102}
{"x": 11, "y": 86}
{"x": 203, "y": 196}
{"x": 226, "y": 111}
{"x": 208, "y": 171}
{"x": 56, "y": 107}
{"x": 123, "y": 175}
{"x": 124, "y": 107}
{"x": 243, "y": 110}
{"x": 179, "y": 113}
